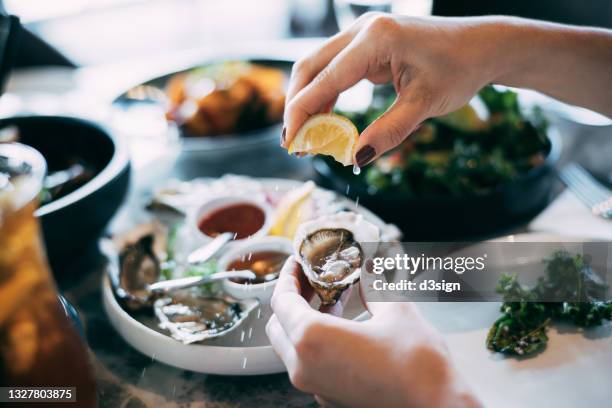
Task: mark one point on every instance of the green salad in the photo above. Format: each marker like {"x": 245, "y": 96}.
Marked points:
{"x": 482, "y": 145}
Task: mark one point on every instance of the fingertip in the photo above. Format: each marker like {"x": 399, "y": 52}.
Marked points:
{"x": 365, "y": 155}
{"x": 388, "y": 131}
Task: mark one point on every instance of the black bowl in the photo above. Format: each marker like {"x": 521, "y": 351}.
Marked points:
{"x": 451, "y": 218}
{"x": 73, "y": 223}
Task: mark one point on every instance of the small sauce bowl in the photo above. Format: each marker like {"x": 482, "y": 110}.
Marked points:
{"x": 265, "y": 257}
{"x": 246, "y": 217}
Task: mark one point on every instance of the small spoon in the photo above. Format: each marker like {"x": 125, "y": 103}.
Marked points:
{"x": 190, "y": 281}
{"x": 204, "y": 253}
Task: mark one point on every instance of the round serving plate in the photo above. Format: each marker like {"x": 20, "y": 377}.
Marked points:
{"x": 244, "y": 351}
{"x": 151, "y": 94}
{"x": 573, "y": 370}
{"x": 210, "y": 156}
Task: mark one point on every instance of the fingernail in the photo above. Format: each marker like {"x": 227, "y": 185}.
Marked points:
{"x": 283, "y": 134}
{"x": 364, "y": 155}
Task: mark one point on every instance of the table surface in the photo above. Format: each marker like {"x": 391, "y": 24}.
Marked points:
{"x": 128, "y": 378}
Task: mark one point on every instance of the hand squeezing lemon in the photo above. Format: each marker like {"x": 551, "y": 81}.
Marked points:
{"x": 329, "y": 134}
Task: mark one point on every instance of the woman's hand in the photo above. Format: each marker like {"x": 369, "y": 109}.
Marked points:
{"x": 437, "y": 64}
{"x": 426, "y": 61}
{"x": 393, "y": 359}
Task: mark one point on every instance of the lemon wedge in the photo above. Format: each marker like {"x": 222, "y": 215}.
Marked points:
{"x": 328, "y": 134}
{"x": 292, "y": 211}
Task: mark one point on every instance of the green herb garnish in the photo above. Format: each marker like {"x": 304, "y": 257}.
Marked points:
{"x": 521, "y": 330}
{"x": 205, "y": 269}
{"x": 169, "y": 265}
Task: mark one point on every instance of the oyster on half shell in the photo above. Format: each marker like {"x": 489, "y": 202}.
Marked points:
{"x": 331, "y": 252}
{"x": 191, "y": 318}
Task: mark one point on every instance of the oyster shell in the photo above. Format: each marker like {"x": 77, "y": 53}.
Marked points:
{"x": 191, "y": 318}
{"x": 140, "y": 254}
{"x": 331, "y": 252}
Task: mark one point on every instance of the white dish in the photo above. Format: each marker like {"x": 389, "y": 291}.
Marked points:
{"x": 574, "y": 369}
{"x": 244, "y": 351}
{"x": 260, "y": 291}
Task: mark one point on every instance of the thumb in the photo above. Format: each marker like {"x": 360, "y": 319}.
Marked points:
{"x": 383, "y": 306}
{"x": 382, "y": 310}
{"x": 389, "y": 130}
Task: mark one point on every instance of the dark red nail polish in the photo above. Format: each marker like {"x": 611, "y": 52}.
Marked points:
{"x": 364, "y": 155}
{"x": 283, "y": 135}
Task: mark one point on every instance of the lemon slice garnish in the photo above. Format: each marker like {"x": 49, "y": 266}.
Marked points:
{"x": 328, "y": 134}
{"x": 290, "y": 212}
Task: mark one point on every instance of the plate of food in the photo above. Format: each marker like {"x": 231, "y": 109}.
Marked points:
{"x": 219, "y": 104}
{"x": 218, "y": 326}
{"x": 473, "y": 172}
{"x": 525, "y": 346}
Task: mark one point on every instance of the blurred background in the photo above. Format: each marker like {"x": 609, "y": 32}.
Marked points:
{"x": 89, "y": 32}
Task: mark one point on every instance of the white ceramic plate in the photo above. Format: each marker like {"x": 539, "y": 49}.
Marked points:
{"x": 244, "y": 351}
{"x": 574, "y": 370}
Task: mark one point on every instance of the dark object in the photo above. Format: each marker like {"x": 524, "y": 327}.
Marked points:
{"x": 521, "y": 330}
{"x": 594, "y": 13}
{"x": 33, "y": 52}
{"x": 447, "y": 217}
{"x": 453, "y": 217}
{"x": 75, "y": 221}
{"x": 10, "y": 33}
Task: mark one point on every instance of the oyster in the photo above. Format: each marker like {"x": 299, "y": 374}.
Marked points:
{"x": 331, "y": 252}
{"x": 139, "y": 268}
{"x": 191, "y": 318}
{"x": 140, "y": 253}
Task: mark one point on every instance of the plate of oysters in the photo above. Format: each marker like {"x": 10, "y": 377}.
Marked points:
{"x": 191, "y": 287}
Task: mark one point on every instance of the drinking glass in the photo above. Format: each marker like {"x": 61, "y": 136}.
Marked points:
{"x": 39, "y": 347}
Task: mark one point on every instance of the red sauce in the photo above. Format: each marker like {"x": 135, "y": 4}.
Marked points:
{"x": 265, "y": 264}
{"x": 242, "y": 219}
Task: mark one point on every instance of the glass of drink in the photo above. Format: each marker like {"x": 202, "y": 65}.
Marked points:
{"x": 39, "y": 347}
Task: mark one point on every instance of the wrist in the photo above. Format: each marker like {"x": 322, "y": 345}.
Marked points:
{"x": 504, "y": 48}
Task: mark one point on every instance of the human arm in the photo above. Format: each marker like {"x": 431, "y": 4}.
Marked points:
{"x": 437, "y": 64}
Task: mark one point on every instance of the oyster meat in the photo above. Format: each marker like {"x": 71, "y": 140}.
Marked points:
{"x": 332, "y": 250}
{"x": 191, "y": 318}
{"x": 141, "y": 252}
